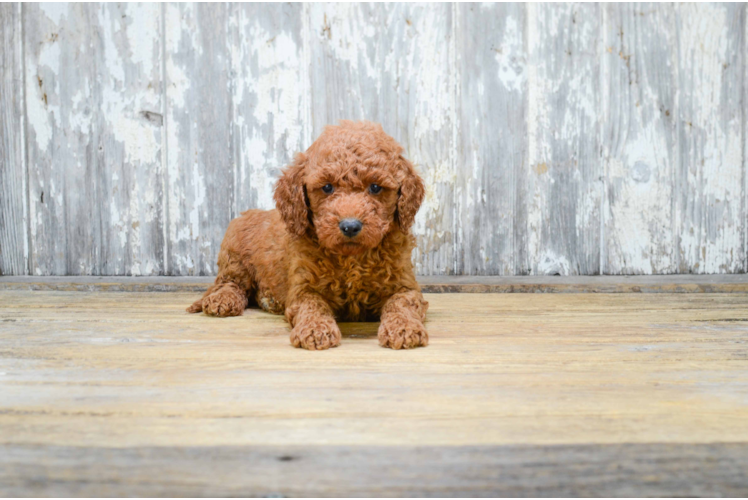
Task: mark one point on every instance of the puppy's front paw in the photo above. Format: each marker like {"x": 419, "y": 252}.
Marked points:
{"x": 226, "y": 301}
{"x": 402, "y": 332}
{"x": 316, "y": 334}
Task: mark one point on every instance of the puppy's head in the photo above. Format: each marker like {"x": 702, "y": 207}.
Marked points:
{"x": 350, "y": 188}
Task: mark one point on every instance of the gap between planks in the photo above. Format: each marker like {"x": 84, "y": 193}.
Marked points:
{"x": 684, "y": 283}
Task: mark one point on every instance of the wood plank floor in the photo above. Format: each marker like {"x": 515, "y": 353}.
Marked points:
{"x": 110, "y": 393}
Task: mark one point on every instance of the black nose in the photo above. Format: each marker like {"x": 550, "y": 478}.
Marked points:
{"x": 350, "y": 227}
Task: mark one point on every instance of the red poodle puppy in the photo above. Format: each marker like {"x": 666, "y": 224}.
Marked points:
{"x": 338, "y": 245}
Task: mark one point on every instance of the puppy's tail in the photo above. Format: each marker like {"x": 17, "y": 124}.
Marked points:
{"x": 196, "y": 307}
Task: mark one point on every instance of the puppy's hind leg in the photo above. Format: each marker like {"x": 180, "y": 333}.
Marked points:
{"x": 228, "y": 296}
{"x": 196, "y": 306}
{"x": 226, "y": 299}
{"x": 222, "y": 299}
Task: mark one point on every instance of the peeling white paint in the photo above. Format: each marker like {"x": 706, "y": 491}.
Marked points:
{"x": 349, "y": 35}
{"x": 143, "y": 28}
{"x": 511, "y": 57}
{"x": 537, "y": 121}
{"x": 713, "y": 232}
{"x": 267, "y": 103}
{"x": 290, "y": 69}
{"x": 260, "y": 179}
{"x": 42, "y": 106}
{"x": 564, "y": 167}
{"x": 550, "y": 263}
{"x": 199, "y": 199}
{"x": 427, "y": 58}
{"x": 54, "y": 11}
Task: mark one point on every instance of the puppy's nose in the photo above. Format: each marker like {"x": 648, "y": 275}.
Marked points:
{"x": 350, "y": 227}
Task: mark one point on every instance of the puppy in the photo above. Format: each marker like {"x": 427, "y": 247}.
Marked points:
{"x": 337, "y": 247}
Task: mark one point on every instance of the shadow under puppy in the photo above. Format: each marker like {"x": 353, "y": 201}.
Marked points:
{"x": 338, "y": 245}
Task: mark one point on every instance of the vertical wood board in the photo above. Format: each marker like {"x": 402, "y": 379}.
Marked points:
{"x": 492, "y": 149}
{"x": 13, "y": 190}
{"x": 564, "y": 177}
{"x": 63, "y": 146}
{"x": 200, "y": 167}
{"x": 93, "y": 86}
{"x": 130, "y": 122}
{"x": 710, "y": 208}
{"x": 269, "y": 94}
{"x": 639, "y": 138}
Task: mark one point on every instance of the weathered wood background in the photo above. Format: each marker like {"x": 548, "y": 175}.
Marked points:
{"x": 562, "y": 138}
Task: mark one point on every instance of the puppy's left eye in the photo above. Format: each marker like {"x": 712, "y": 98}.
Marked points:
{"x": 327, "y": 188}
{"x": 375, "y": 189}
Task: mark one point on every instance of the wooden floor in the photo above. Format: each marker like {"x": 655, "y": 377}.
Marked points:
{"x": 116, "y": 393}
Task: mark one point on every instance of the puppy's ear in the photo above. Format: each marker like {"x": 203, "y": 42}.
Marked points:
{"x": 290, "y": 197}
{"x": 411, "y": 196}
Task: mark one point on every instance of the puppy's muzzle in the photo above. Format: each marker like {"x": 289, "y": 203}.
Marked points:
{"x": 350, "y": 227}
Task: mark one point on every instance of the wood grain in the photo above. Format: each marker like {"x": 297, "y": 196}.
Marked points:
{"x": 268, "y": 98}
{"x": 639, "y": 138}
{"x": 130, "y": 124}
{"x": 563, "y": 188}
{"x": 100, "y": 391}
{"x": 93, "y": 86}
{"x": 489, "y": 186}
{"x": 200, "y": 167}
{"x": 518, "y": 369}
{"x": 710, "y": 212}
{"x": 627, "y": 470}
{"x": 63, "y": 141}
{"x": 13, "y": 175}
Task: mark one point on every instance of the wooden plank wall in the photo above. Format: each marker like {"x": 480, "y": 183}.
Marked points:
{"x": 553, "y": 138}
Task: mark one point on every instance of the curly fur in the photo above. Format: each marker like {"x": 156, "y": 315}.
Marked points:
{"x": 295, "y": 260}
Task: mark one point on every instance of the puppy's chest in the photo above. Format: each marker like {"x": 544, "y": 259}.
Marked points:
{"x": 363, "y": 285}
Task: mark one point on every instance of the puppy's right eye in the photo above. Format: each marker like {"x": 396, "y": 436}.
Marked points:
{"x": 328, "y": 189}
